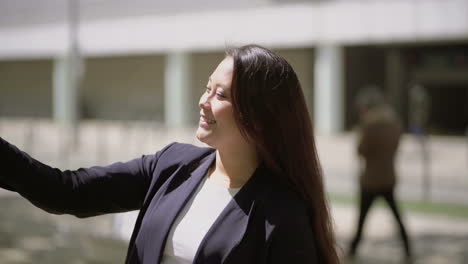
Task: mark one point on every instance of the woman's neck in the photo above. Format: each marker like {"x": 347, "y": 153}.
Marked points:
{"x": 233, "y": 168}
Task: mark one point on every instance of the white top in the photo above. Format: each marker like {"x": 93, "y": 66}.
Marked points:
{"x": 195, "y": 220}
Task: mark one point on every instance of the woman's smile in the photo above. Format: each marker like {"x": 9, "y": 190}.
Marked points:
{"x": 206, "y": 122}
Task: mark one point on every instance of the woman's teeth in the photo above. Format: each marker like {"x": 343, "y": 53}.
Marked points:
{"x": 209, "y": 121}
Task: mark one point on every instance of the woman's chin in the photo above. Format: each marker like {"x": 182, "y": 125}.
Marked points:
{"x": 201, "y": 135}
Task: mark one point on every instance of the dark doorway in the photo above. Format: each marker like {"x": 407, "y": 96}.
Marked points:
{"x": 449, "y": 109}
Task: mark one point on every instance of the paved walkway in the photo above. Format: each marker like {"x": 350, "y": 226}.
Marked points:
{"x": 447, "y": 171}
{"x": 435, "y": 239}
{"x": 29, "y": 235}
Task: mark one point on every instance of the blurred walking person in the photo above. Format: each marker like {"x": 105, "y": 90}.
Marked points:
{"x": 379, "y": 136}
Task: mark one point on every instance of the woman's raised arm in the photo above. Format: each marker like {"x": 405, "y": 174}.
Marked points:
{"x": 86, "y": 192}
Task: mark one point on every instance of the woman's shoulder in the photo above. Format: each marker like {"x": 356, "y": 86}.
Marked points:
{"x": 182, "y": 152}
{"x": 174, "y": 156}
{"x": 185, "y": 147}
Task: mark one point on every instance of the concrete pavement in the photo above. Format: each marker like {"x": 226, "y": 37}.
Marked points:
{"x": 447, "y": 169}
{"x": 434, "y": 239}
{"x": 29, "y": 235}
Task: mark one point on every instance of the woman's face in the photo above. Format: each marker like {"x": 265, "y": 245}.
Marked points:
{"x": 217, "y": 127}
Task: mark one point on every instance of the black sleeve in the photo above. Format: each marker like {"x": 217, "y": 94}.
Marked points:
{"x": 87, "y": 192}
{"x": 292, "y": 241}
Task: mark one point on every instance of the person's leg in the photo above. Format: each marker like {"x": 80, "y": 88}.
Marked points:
{"x": 365, "y": 202}
{"x": 389, "y": 198}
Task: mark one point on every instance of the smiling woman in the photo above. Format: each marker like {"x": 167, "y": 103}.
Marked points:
{"x": 255, "y": 195}
{"x": 217, "y": 126}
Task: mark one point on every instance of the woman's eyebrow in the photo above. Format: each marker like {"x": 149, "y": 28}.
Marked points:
{"x": 218, "y": 84}
{"x": 223, "y": 86}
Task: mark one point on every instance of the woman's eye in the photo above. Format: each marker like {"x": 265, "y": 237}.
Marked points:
{"x": 208, "y": 90}
{"x": 220, "y": 95}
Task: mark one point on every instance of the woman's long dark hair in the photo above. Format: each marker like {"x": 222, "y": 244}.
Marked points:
{"x": 270, "y": 110}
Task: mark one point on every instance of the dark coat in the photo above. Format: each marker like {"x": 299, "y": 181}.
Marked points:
{"x": 378, "y": 145}
{"x": 264, "y": 223}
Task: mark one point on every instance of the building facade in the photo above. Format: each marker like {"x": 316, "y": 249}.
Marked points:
{"x": 150, "y": 60}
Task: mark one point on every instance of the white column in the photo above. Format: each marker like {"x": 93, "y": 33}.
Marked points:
{"x": 65, "y": 93}
{"x": 177, "y": 89}
{"x": 67, "y": 73}
{"x": 328, "y": 89}
{"x": 66, "y": 78}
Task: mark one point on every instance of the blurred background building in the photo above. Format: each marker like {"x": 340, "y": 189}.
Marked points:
{"x": 124, "y": 78}
{"x": 149, "y": 60}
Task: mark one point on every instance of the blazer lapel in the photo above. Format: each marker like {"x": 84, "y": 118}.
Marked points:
{"x": 229, "y": 228}
{"x": 176, "y": 195}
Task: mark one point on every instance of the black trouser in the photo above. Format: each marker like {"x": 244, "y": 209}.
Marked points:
{"x": 366, "y": 200}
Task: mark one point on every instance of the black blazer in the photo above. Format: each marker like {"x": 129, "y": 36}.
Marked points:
{"x": 264, "y": 223}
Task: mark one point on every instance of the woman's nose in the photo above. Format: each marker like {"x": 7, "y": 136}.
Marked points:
{"x": 204, "y": 102}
